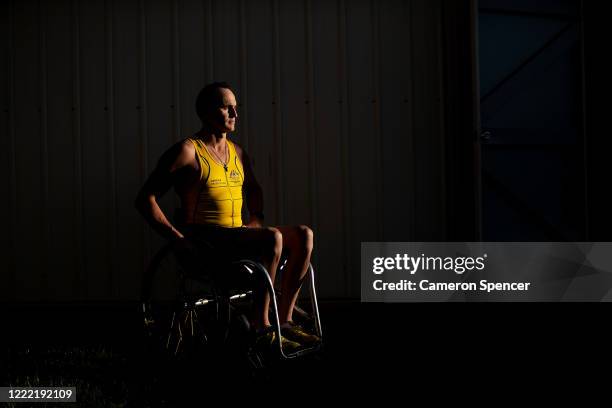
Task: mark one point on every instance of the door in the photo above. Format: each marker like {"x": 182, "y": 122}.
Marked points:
{"x": 531, "y": 110}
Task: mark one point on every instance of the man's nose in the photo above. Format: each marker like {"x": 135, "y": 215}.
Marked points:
{"x": 233, "y": 113}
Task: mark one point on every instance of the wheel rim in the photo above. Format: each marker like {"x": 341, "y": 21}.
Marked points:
{"x": 172, "y": 322}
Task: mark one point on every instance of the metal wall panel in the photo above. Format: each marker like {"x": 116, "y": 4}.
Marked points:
{"x": 427, "y": 122}
{"x": 226, "y": 41}
{"x": 364, "y": 142}
{"x": 192, "y": 54}
{"x": 327, "y": 163}
{"x": 6, "y": 143}
{"x": 340, "y": 110}
{"x": 396, "y": 119}
{"x": 79, "y": 275}
{"x": 261, "y": 100}
{"x": 30, "y": 247}
{"x": 95, "y": 154}
{"x": 143, "y": 121}
{"x": 60, "y": 170}
{"x": 126, "y": 40}
{"x": 160, "y": 132}
{"x": 294, "y": 110}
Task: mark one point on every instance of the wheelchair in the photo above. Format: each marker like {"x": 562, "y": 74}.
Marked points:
{"x": 196, "y": 305}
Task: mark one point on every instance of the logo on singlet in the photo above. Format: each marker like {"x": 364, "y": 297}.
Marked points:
{"x": 234, "y": 174}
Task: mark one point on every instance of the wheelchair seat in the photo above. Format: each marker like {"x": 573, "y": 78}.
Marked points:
{"x": 192, "y": 303}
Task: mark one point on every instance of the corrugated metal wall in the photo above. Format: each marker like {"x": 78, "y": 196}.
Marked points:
{"x": 340, "y": 108}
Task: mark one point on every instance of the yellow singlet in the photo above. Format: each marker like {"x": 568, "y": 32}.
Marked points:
{"x": 220, "y": 197}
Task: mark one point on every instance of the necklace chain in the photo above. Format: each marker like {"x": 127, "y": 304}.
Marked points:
{"x": 224, "y": 163}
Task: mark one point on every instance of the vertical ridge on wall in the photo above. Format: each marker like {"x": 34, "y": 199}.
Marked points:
{"x": 244, "y": 113}
{"x": 395, "y": 120}
{"x": 98, "y": 185}
{"x": 294, "y": 107}
{"x": 110, "y": 129}
{"x": 324, "y": 85}
{"x": 261, "y": 95}
{"x": 417, "y": 114}
{"x": 440, "y": 119}
{"x": 176, "y": 70}
{"x": 60, "y": 141}
{"x": 226, "y": 48}
{"x": 12, "y": 154}
{"x": 312, "y": 129}
{"x": 128, "y": 150}
{"x": 344, "y": 98}
{"x": 80, "y": 284}
{"x": 476, "y": 112}
{"x": 5, "y": 186}
{"x": 429, "y": 153}
{"x": 364, "y": 169}
{"x": 159, "y": 95}
{"x": 28, "y": 152}
{"x": 459, "y": 63}
{"x": 192, "y": 62}
{"x": 5, "y": 112}
{"x": 208, "y": 35}
{"x": 411, "y": 121}
{"x": 377, "y": 102}
{"x": 44, "y": 151}
{"x": 176, "y": 83}
{"x": 278, "y": 119}
{"x": 585, "y": 112}
{"x": 144, "y": 128}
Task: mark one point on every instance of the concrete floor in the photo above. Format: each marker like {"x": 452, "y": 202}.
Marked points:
{"x": 366, "y": 345}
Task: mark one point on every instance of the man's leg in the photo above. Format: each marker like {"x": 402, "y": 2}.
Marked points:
{"x": 298, "y": 241}
{"x": 265, "y": 244}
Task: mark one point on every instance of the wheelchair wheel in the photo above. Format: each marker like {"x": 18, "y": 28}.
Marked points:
{"x": 174, "y": 304}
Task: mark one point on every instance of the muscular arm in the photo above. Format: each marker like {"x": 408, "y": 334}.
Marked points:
{"x": 171, "y": 166}
{"x": 252, "y": 190}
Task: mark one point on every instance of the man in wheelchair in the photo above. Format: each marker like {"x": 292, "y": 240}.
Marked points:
{"x": 211, "y": 175}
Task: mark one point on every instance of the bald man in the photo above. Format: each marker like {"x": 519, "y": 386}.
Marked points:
{"x": 211, "y": 175}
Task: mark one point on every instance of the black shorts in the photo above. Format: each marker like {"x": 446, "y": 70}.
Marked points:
{"x": 223, "y": 243}
{"x": 216, "y": 248}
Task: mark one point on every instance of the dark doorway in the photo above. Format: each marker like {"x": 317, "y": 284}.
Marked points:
{"x": 531, "y": 109}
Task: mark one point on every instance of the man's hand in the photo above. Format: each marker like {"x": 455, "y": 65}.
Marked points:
{"x": 175, "y": 234}
{"x": 185, "y": 244}
{"x": 187, "y": 254}
{"x": 254, "y": 222}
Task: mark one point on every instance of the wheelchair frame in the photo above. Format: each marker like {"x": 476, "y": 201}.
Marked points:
{"x": 223, "y": 301}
